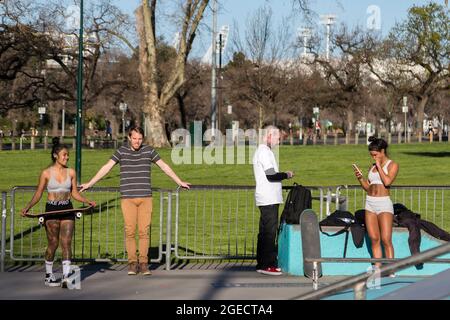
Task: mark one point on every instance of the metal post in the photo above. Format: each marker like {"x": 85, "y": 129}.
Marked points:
{"x": 168, "y": 229}
{"x": 79, "y": 98}
{"x": 3, "y": 240}
{"x": 63, "y": 119}
{"x": 213, "y": 70}
{"x": 360, "y": 290}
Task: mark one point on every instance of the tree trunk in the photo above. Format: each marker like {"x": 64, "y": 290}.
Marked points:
{"x": 56, "y": 115}
{"x": 349, "y": 122}
{"x": 420, "y": 115}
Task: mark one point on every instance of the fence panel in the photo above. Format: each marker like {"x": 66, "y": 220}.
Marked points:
{"x": 98, "y": 236}
{"x": 222, "y": 222}
{"x": 431, "y": 202}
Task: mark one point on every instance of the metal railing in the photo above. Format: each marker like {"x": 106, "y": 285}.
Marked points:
{"x": 359, "y": 282}
{"x": 222, "y": 222}
{"x": 206, "y": 222}
{"x": 98, "y": 236}
{"x": 431, "y": 202}
{"x": 3, "y": 233}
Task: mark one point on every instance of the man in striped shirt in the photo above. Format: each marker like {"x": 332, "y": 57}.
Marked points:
{"x": 136, "y": 194}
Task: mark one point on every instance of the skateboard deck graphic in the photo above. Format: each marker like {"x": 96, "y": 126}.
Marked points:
{"x": 41, "y": 216}
{"x": 309, "y": 226}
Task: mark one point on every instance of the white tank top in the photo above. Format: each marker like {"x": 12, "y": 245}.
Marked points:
{"x": 374, "y": 177}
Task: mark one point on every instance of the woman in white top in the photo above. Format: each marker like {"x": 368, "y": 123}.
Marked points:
{"x": 61, "y": 185}
{"x": 379, "y": 208}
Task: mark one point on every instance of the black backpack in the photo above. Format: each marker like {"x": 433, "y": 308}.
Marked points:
{"x": 299, "y": 198}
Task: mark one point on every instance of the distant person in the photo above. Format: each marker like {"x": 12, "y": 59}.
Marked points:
{"x": 379, "y": 210}
{"x": 136, "y": 194}
{"x": 268, "y": 196}
{"x": 61, "y": 184}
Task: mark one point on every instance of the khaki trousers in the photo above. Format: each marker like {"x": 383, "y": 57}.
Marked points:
{"x": 137, "y": 212}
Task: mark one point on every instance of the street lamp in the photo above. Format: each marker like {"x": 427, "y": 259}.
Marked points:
{"x": 41, "y": 111}
{"x": 405, "y": 111}
{"x": 123, "y": 107}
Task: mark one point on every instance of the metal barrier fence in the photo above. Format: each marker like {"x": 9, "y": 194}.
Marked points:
{"x": 222, "y": 222}
{"x": 431, "y": 202}
{"x": 98, "y": 236}
{"x": 210, "y": 222}
{"x": 3, "y": 233}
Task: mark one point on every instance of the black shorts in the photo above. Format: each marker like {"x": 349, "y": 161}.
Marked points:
{"x": 57, "y": 206}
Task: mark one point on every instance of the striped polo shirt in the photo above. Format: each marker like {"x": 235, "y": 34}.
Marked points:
{"x": 135, "y": 170}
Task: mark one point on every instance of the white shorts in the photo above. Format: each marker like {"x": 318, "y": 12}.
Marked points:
{"x": 379, "y": 204}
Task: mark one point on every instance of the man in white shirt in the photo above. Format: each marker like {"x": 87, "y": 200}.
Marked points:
{"x": 268, "y": 196}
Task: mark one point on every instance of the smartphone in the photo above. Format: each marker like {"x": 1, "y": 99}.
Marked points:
{"x": 356, "y": 168}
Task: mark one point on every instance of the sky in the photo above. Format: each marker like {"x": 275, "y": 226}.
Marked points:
{"x": 379, "y": 14}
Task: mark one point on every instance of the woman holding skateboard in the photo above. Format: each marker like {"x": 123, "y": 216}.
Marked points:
{"x": 61, "y": 185}
{"x": 379, "y": 208}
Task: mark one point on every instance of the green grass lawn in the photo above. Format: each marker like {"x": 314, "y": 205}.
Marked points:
{"x": 219, "y": 222}
{"x": 420, "y": 164}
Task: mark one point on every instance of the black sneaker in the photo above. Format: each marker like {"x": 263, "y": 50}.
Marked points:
{"x": 50, "y": 280}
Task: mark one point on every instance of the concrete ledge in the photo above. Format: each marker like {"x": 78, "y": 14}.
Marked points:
{"x": 290, "y": 255}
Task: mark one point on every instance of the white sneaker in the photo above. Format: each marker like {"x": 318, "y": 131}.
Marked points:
{"x": 50, "y": 280}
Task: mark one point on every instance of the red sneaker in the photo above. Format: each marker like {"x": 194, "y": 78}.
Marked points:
{"x": 273, "y": 271}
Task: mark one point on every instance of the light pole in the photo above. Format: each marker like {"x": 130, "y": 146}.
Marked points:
{"x": 123, "y": 107}
{"x": 41, "y": 111}
{"x": 328, "y": 20}
{"x": 405, "y": 111}
{"x": 305, "y": 33}
{"x": 79, "y": 121}
{"x": 213, "y": 71}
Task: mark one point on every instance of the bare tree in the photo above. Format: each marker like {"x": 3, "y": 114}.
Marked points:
{"x": 157, "y": 96}
{"x": 265, "y": 65}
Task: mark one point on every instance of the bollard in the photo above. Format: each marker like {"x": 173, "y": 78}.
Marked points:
{"x": 325, "y": 138}
{"x": 347, "y": 138}
{"x": 335, "y": 138}
{"x": 13, "y": 143}
{"x": 45, "y": 142}
{"x": 356, "y": 138}
{"x": 21, "y": 144}
{"x": 399, "y": 139}
{"x": 389, "y": 138}
{"x": 33, "y": 141}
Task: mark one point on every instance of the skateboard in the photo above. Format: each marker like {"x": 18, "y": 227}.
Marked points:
{"x": 309, "y": 226}
{"x": 41, "y": 216}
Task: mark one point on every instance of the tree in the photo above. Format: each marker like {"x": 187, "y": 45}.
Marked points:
{"x": 157, "y": 95}
{"x": 414, "y": 59}
{"x": 260, "y": 70}
{"x": 38, "y": 55}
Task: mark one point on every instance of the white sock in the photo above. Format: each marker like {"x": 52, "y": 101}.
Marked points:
{"x": 49, "y": 267}
{"x": 66, "y": 267}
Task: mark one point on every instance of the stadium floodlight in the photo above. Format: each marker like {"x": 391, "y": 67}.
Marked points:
{"x": 328, "y": 20}
{"x": 305, "y": 33}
